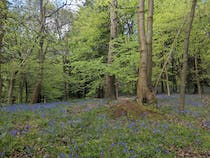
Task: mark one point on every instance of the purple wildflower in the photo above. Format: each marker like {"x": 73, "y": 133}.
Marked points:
{"x": 14, "y": 132}
{"x": 112, "y": 145}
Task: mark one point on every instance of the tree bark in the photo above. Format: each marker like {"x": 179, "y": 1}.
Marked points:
{"x": 167, "y": 83}
{"x": 26, "y": 89}
{"x": 37, "y": 88}
{"x": 65, "y": 73}
{"x": 1, "y": 86}
{"x": 149, "y": 41}
{"x": 185, "y": 58}
{"x": 3, "y": 18}
{"x": 21, "y": 87}
{"x": 197, "y": 74}
{"x": 11, "y": 90}
{"x": 144, "y": 95}
{"x": 110, "y": 87}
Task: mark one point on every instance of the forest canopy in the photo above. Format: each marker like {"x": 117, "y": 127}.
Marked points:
{"x": 57, "y": 50}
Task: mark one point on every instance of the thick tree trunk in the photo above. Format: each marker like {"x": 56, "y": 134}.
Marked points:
{"x": 185, "y": 58}
{"x": 110, "y": 87}
{"x": 197, "y": 74}
{"x": 144, "y": 95}
{"x": 37, "y": 88}
{"x": 149, "y": 41}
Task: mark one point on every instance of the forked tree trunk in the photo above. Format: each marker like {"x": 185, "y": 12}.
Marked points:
{"x": 197, "y": 74}
{"x": 144, "y": 95}
{"x": 110, "y": 87}
{"x": 185, "y": 58}
{"x": 149, "y": 41}
{"x": 37, "y": 88}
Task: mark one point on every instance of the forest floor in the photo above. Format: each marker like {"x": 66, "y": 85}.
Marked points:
{"x": 96, "y": 128}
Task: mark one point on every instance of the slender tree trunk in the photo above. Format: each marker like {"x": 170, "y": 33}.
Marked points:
{"x": 1, "y": 85}
{"x": 11, "y": 89}
{"x": 37, "y": 88}
{"x": 26, "y": 89}
{"x": 21, "y": 87}
{"x": 185, "y": 58}
{"x": 3, "y": 18}
{"x": 170, "y": 53}
{"x": 149, "y": 41}
{"x": 167, "y": 83}
{"x": 162, "y": 87}
{"x": 110, "y": 87}
{"x": 66, "y": 90}
{"x": 197, "y": 74}
{"x": 144, "y": 95}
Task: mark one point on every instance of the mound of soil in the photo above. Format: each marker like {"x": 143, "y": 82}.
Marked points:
{"x": 131, "y": 108}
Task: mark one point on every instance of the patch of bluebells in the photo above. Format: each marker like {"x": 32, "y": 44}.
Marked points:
{"x": 173, "y": 100}
{"x": 101, "y": 126}
{"x": 42, "y": 106}
{"x": 15, "y": 132}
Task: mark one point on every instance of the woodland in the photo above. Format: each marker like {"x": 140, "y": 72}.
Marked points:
{"x": 104, "y": 78}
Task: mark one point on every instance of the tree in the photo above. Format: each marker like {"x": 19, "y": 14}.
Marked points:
{"x": 3, "y": 18}
{"x": 149, "y": 41}
{"x": 42, "y": 53}
{"x": 110, "y": 87}
{"x": 144, "y": 93}
{"x": 185, "y": 57}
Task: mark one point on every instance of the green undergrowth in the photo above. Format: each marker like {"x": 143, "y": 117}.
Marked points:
{"x": 76, "y": 132}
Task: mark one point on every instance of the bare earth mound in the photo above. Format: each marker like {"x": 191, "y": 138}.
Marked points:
{"x": 127, "y": 107}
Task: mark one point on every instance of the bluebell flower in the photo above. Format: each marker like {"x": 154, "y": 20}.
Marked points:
{"x": 132, "y": 124}
{"x": 61, "y": 155}
{"x": 112, "y": 145}
{"x": 14, "y": 132}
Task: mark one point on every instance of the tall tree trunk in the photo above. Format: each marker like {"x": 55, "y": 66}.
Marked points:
{"x": 110, "y": 87}
{"x": 1, "y": 85}
{"x": 185, "y": 58}
{"x": 3, "y": 18}
{"x": 26, "y": 89}
{"x": 167, "y": 83}
{"x": 11, "y": 89}
{"x": 37, "y": 88}
{"x": 197, "y": 74}
{"x": 144, "y": 95}
{"x": 21, "y": 87}
{"x": 65, "y": 73}
{"x": 149, "y": 41}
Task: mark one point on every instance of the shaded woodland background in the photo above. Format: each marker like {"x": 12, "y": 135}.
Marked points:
{"x": 57, "y": 51}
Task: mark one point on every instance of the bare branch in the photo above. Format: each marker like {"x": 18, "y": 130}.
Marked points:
{"x": 59, "y": 8}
